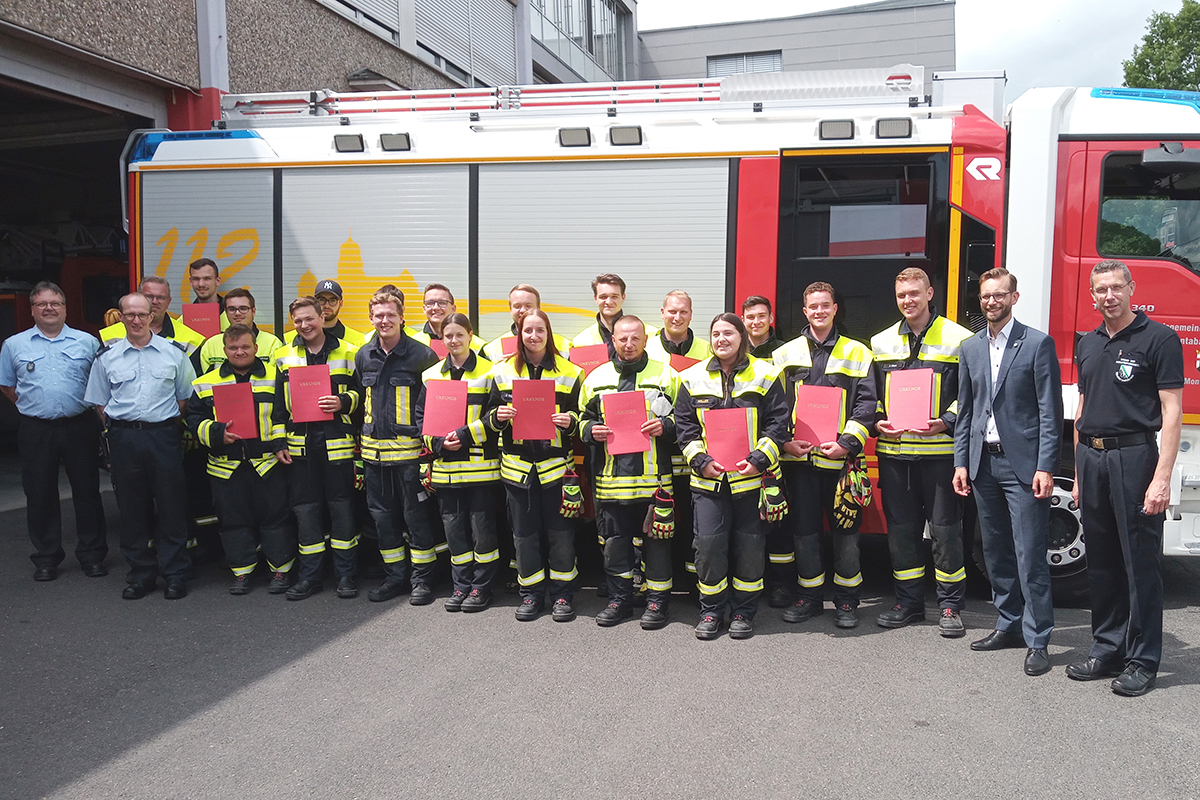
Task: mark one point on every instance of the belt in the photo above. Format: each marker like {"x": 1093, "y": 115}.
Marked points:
{"x": 57, "y": 421}
{"x": 995, "y": 448}
{"x": 137, "y": 424}
{"x": 1116, "y": 442}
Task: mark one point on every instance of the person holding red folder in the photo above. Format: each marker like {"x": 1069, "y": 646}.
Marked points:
{"x": 321, "y": 453}
{"x": 608, "y": 290}
{"x": 248, "y": 486}
{"x": 916, "y": 467}
{"x": 630, "y": 487}
{"x": 730, "y": 537}
{"x": 522, "y": 299}
{"x": 822, "y": 356}
{"x": 465, "y": 474}
{"x": 439, "y": 306}
{"x": 389, "y": 368}
{"x": 535, "y": 471}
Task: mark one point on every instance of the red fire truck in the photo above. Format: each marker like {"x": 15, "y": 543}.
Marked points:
{"x": 754, "y": 184}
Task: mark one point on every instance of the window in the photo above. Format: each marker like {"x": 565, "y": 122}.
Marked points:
{"x": 861, "y": 211}
{"x": 720, "y": 66}
{"x": 1148, "y": 213}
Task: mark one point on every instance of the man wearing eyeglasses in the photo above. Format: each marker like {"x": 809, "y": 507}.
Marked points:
{"x": 158, "y": 292}
{"x": 329, "y": 297}
{"x": 1130, "y": 387}
{"x": 1006, "y": 446}
{"x": 44, "y": 372}
{"x": 439, "y": 304}
{"x": 239, "y": 306}
{"x": 141, "y": 384}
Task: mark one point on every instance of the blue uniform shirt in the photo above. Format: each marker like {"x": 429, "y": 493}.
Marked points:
{"x": 141, "y": 384}
{"x": 50, "y": 375}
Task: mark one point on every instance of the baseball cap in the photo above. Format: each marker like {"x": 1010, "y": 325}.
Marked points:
{"x": 333, "y": 287}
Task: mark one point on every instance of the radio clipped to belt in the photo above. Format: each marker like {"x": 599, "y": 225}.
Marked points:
{"x": 853, "y": 494}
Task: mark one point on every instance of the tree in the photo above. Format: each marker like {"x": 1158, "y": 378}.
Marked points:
{"x": 1169, "y": 55}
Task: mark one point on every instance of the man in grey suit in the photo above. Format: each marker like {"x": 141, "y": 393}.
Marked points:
{"x": 1007, "y": 441}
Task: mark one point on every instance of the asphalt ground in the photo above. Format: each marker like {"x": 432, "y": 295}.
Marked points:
{"x": 256, "y": 697}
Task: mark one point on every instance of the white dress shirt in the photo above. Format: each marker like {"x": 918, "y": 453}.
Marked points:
{"x": 996, "y": 346}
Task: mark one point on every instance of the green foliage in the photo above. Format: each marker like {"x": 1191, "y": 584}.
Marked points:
{"x": 1169, "y": 55}
{"x": 1125, "y": 240}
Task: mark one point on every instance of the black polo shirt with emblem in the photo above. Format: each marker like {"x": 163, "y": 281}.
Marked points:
{"x": 1120, "y": 377}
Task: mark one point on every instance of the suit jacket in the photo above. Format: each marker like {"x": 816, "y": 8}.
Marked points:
{"x": 1026, "y": 401}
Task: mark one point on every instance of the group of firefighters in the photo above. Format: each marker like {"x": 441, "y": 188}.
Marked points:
{"x": 288, "y": 494}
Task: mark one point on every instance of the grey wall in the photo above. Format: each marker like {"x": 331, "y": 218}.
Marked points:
{"x": 921, "y": 34}
{"x": 290, "y": 45}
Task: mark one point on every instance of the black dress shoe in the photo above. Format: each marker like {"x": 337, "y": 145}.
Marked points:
{"x": 1037, "y": 661}
{"x": 176, "y": 590}
{"x": 1093, "y": 669}
{"x": 303, "y": 589}
{"x": 47, "y": 573}
{"x": 94, "y": 569}
{"x": 138, "y": 589}
{"x": 1135, "y": 681}
{"x": 999, "y": 640}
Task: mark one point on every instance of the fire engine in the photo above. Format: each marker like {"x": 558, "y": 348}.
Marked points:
{"x": 753, "y": 184}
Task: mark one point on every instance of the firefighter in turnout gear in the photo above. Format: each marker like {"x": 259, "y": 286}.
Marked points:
{"x": 522, "y": 299}
{"x": 629, "y": 484}
{"x": 916, "y": 467}
{"x": 821, "y": 356}
{"x": 239, "y": 306}
{"x": 321, "y": 453}
{"x": 249, "y": 486}
{"x": 389, "y": 369}
{"x": 608, "y": 290}
{"x": 465, "y": 474}
{"x": 729, "y": 534}
{"x": 534, "y": 471}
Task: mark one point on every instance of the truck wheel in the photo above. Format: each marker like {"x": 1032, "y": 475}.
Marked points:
{"x": 1066, "y": 553}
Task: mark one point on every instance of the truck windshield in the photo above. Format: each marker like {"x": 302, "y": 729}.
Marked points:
{"x": 1149, "y": 214}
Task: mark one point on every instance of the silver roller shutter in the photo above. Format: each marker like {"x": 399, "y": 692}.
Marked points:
{"x": 660, "y": 225}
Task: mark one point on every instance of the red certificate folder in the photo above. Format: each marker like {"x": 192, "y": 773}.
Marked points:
{"x": 589, "y": 357}
{"x": 534, "y": 402}
{"x": 445, "y": 407}
{"x": 308, "y": 385}
{"x": 508, "y": 345}
{"x": 910, "y": 399}
{"x": 818, "y": 414}
{"x": 727, "y": 435}
{"x": 624, "y": 413}
{"x": 680, "y": 363}
{"x": 203, "y": 318}
{"x": 234, "y": 405}
{"x": 439, "y": 347}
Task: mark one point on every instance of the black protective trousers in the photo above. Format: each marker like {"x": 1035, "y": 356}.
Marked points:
{"x": 1123, "y": 550}
{"x": 730, "y": 543}
{"x": 544, "y": 541}
{"x": 147, "y": 474}
{"x": 255, "y": 513}
{"x": 915, "y": 492}
{"x": 73, "y": 442}
{"x": 810, "y": 492}
{"x": 469, "y": 518}
{"x": 397, "y": 500}
{"x": 619, "y": 524}
{"x": 318, "y": 483}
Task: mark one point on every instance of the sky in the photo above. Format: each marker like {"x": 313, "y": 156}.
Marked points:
{"x": 1036, "y": 42}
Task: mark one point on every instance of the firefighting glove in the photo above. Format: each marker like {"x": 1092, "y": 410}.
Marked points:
{"x": 572, "y": 496}
{"x": 660, "y": 517}
{"x": 426, "y": 459}
{"x": 772, "y": 501}
{"x": 852, "y": 495}
{"x": 360, "y": 470}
